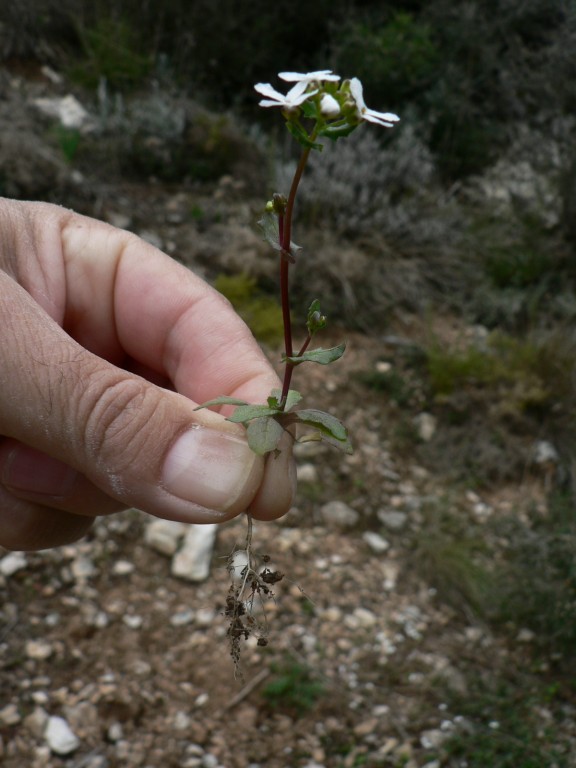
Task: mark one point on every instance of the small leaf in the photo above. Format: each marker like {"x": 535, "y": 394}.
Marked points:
{"x": 264, "y": 434}
{"x": 302, "y": 137}
{"x": 222, "y": 400}
{"x": 292, "y": 399}
{"x": 245, "y": 413}
{"x": 335, "y": 132}
{"x": 322, "y": 356}
{"x": 330, "y": 428}
{"x": 269, "y": 226}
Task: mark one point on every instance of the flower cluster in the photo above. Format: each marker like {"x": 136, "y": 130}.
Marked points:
{"x": 336, "y": 107}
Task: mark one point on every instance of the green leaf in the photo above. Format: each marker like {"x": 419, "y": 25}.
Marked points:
{"x": 222, "y": 400}
{"x": 245, "y": 413}
{"x": 335, "y": 132}
{"x": 269, "y": 226}
{"x": 330, "y": 428}
{"x": 322, "y": 356}
{"x": 302, "y": 137}
{"x": 264, "y": 434}
{"x": 292, "y": 399}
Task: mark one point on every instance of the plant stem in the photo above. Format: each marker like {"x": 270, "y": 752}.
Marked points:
{"x": 285, "y": 232}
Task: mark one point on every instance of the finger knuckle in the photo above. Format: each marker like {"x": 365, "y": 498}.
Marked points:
{"x": 115, "y": 420}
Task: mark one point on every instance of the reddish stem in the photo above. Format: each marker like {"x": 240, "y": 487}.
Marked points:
{"x": 285, "y": 233}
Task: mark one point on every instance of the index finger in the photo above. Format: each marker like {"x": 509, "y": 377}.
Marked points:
{"x": 160, "y": 314}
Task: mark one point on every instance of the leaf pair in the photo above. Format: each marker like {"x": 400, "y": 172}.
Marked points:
{"x": 265, "y": 424}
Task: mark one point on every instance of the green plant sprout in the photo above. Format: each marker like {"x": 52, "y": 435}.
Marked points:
{"x": 319, "y": 105}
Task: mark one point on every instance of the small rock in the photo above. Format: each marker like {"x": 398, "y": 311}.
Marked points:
{"x": 192, "y": 562}
{"x": 39, "y": 650}
{"x": 392, "y": 520}
{"x": 339, "y": 514}
{"x": 83, "y": 568}
{"x": 133, "y": 621}
{"x": 36, "y": 722}
{"x": 182, "y": 618}
{"x": 164, "y": 536}
{"x": 425, "y": 425}
{"x": 367, "y": 727}
{"x": 66, "y": 109}
{"x": 433, "y": 738}
{"x": 307, "y": 473}
{"x": 377, "y": 543}
{"x": 9, "y": 715}
{"x": 12, "y": 563}
{"x": 122, "y": 568}
{"x": 60, "y": 737}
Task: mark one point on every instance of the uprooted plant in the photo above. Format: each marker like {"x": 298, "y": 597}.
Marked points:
{"x": 318, "y": 106}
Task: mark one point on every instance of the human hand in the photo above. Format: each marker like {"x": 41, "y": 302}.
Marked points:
{"x": 106, "y": 347}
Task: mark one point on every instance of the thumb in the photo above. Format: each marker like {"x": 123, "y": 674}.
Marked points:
{"x": 138, "y": 443}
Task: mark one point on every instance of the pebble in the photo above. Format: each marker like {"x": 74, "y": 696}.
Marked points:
{"x": 425, "y": 425}
{"x": 192, "y": 562}
{"x": 377, "y": 543}
{"x": 392, "y": 519}
{"x": 133, "y": 621}
{"x": 163, "y": 536}
{"x": 9, "y": 715}
{"x": 307, "y": 473}
{"x": 338, "y": 513}
{"x": 12, "y": 563}
{"x": 60, "y": 737}
{"x": 39, "y": 650}
{"x": 122, "y": 568}
{"x": 83, "y": 568}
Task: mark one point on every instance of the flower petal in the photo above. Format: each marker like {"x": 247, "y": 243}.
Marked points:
{"x": 265, "y": 89}
{"x": 308, "y": 77}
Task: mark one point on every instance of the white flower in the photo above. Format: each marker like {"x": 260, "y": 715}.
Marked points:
{"x": 329, "y": 106}
{"x": 309, "y": 77}
{"x": 386, "y": 119}
{"x": 295, "y": 96}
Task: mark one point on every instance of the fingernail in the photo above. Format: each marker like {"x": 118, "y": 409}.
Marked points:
{"x": 210, "y": 468}
{"x": 28, "y": 470}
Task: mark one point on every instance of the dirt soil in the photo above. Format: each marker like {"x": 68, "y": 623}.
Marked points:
{"x": 362, "y": 654}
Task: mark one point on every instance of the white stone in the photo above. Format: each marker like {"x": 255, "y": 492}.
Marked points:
{"x": 122, "y": 568}
{"x": 60, "y": 737}
{"x": 83, "y": 568}
{"x": 164, "y": 536}
{"x": 133, "y": 621}
{"x": 425, "y": 425}
{"x": 39, "y": 650}
{"x": 66, "y": 109}
{"x": 13, "y": 562}
{"x": 340, "y": 514}
{"x": 192, "y": 562}
{"x": 307, "y": 473}
{"x": 377, "y": 543}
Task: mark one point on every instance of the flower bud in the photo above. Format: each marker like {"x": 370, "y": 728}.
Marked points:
{"x": 329, "y": 107}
